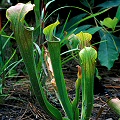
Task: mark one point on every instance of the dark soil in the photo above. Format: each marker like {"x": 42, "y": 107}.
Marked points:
{"x": 22, "y": 105}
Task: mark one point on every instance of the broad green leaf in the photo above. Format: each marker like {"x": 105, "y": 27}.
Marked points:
{"x": 110, "y": 23}
{"x": 74, "y": 20}
{"x": 54, "y": 49}
{"x": 109, "y": 4}
{"x": 48, "y": 31}
{"x": 117, "y": 42}
{"x": 93, "y": 30}
{"x": 24, "y": 38}
{"x": 88, "y": 57}
{"x": 73, "y": 30}
{"x": 108, "y": 51}
{"x": 82, "y": 28}
{"x": 118, "y": 13}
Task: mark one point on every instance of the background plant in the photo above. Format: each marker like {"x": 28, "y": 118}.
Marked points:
{"x": 108, "y": 39}
{"x": 8, "y": 57}
{"x": 81, "y": 23}
{"x": 8, "y": 60}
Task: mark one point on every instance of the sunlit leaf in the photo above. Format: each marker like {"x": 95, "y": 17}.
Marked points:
{"x": 110, "y": 23}
{"x": 84, "y": 39}
{"x": 48, "y": 31}
{"x": 84, "y": 36}
{"x": 19, "y": 11}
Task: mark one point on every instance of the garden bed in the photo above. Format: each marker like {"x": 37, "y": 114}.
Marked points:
{"x": 22, "y": 105}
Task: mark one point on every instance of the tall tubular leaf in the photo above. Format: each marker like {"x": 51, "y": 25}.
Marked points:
{"x": 54, "y": 49}
{"x": 87, "y": 56}
{"x": 24, "y": 37}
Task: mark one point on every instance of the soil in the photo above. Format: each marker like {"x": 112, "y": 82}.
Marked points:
{"x": 21, "y": 103}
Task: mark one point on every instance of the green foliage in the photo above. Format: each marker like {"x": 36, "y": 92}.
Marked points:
{"x": 7, "y": 61}
{"x": 108, "y": 4}
{"x": 48, "y": 31}
{"x": 110, "y": 23}
{"x": 118, "y": 13}
{"x": 108, "y": 51}
{"x": 24, "y": 39}
{"x": 110, "y": 41}
{"x": 88, "y": 57}
{"x": 40, "y": 14}
{"x": 73, "y": 42}
{"x": 87, "y": 61}
{"x": 54, "y": 49}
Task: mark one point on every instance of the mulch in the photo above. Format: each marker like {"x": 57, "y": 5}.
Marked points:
{"x": 22, "y": 105}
